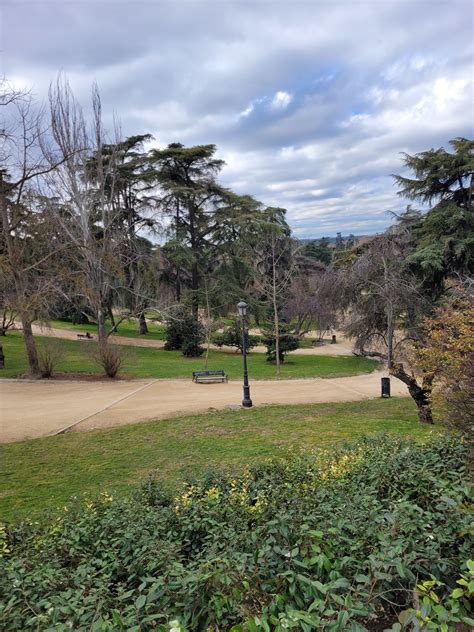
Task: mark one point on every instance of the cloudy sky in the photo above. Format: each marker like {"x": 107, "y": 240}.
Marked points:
{"x": 310, "y": 103}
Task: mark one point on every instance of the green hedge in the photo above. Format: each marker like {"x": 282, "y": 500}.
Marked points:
{"x": 323, "y": 541}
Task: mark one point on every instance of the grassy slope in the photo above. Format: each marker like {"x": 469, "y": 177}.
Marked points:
{"x": 47, "y": 472}
{"x": 147, "y": 362}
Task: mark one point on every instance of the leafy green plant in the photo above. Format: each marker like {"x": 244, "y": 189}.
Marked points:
{"x": 327, "y": 540}
{"x": 287, "y": 343}
{"x": 184, "y": 333}
{"x": 441, "y": 609}
{"x": 232, "y": 337}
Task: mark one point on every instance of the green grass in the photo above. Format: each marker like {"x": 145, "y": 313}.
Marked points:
{"x": 47, "y": 472}
{"x": 128, "y": 328}
{"x": 147, "y": 362}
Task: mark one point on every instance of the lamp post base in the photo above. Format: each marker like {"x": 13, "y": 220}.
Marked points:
{"x": 247, "y": 403}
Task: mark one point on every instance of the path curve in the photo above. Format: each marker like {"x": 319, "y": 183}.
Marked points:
{"x": 33, "y": 409}
{"x": 342, "y": 348}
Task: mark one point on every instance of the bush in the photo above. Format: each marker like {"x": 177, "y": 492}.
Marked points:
{"x": 184, "y": 333}
{"x": 232, "y": 337}
{"x": 109, "y": 356}
{"x": 50, "y": 354}
{"x": 287, "y": 342}
{"x": 329, "y": 541}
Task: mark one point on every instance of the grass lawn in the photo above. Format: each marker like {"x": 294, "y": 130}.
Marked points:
{"x": 157, "y": 363}
{"x": 47, "y": 472}
{"x": 128, "y": 328}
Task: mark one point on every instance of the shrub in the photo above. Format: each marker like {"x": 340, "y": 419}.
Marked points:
{"x": 184, "y": 333}
{"x": 109, "y": 356}
{"x": 50, "y": 354}
{"x": 330, "y": 541}
{"x": 287, "y": 342}
{"x": 232, "y": 337}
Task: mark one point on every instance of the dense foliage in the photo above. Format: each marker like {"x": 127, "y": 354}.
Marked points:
{"x": 287, "y": 343}
{"x": 325, "y": 541}
{"x": 448, "y": 356}
{"x": 184, "y": 333}
{"x": 232, "y": 337}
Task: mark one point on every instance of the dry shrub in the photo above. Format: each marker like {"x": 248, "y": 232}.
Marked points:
{"x": 50, "y": 353}
{"x": 109, "y": 356}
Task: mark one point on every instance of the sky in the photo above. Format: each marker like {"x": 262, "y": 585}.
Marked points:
{"x": 311, "y": 104}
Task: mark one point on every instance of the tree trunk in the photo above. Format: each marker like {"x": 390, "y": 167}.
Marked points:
{"x": 101, "y": 330}
{"x": 389, "y": 337}
{"x": 420, "y": 394}
{"x": 111, "y": 317}
{"x": 195, "y": 289}
{"x": 142, "y": 326}
{"x": 178, "y": 285}
{"x": 276, "y": 321}
{"x": 30, "y": 345}
{"x": 2, "y": 358}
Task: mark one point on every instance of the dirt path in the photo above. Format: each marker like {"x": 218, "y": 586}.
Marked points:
{"x": 343, "y": 347}
{"x": 31, "y": 409}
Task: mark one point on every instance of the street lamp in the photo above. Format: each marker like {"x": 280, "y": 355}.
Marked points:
{"x": 246, "y": 402}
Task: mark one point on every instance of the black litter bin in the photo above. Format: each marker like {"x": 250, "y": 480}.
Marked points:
{"x": 385, "y": 387}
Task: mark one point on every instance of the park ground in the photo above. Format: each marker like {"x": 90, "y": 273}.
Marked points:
{"x": 145, "y": 423}
{"x": 48, "y": 472}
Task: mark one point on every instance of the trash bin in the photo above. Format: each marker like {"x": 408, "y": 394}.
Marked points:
{"x": 385, "y": 387}
{"x": 333, "y": 339}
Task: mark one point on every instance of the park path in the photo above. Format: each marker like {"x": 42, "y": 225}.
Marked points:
{"x": 33, "y": 409}
{"x": 343, "y": 347}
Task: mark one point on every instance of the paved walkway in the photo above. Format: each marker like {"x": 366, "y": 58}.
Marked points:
{"x": 30, "y": 409}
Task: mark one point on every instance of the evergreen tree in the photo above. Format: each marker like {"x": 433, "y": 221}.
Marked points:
{"x": 319, "y": 250}
{"x": 445, "y": 234}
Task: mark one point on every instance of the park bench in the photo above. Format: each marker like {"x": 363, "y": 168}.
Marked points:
{"x": 87, "y": 335}
{"x": 209, "y": 376}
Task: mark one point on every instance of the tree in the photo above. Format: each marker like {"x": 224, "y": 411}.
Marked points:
{"x": 445, "y": 234}
{"x": 187, "y": 177}
{"x": 275, "y": 266}
{"x": 129, "y": 185}
{"x": 319, "y": 250}
{"x": 184, "y": 333}
{"x": 232, "y": 337}
{"x": 311, "y": 303}
{"x": 339, "y": 245}
{"x": 86, "y": 208}
{"x": 29, "y": 239}
{"x": 384, "y": 305}
{"x": 447, "y": 355}
{"x": 279, "y": 346}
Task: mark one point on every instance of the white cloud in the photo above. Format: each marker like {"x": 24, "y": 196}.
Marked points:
{"x": 248, "y": 110}
{"x": 281, "y": 100}
{"x": 201, "y": 76}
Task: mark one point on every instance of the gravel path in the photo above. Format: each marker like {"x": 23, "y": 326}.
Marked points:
{"x": 32, "y": 409}
{"x": 343, "y": 347}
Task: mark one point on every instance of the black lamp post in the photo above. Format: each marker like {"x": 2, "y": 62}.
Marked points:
{"x": 246, "y": 402}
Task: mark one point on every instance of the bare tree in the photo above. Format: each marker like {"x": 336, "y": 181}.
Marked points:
{"x": 27, "y": 236}
{"x": 85, "y": 184}
{"x": 311, "y": 303}
{"x": 384, "y": 305}
{"x": 276, "y": 267}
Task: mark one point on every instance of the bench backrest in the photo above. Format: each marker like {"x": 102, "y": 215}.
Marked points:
{"x": 196, "y": 373}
